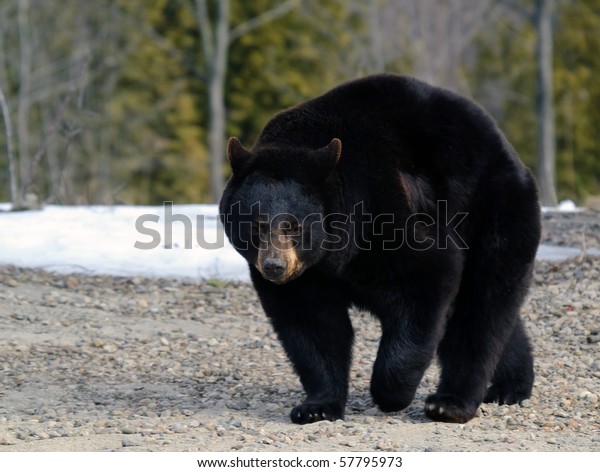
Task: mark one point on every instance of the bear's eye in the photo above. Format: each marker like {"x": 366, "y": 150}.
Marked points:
{"x": 258, "y": 227}
{"x": 291, "y": 228}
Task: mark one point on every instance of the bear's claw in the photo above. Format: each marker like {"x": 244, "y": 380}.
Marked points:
{"x": 503, "y": 396}
{"x": 311, "y": 413}
{"x": 448, "y": 408}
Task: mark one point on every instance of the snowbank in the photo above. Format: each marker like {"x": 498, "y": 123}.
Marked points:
{"x": 187, "y": 241}
{"x": 103, "y": 240}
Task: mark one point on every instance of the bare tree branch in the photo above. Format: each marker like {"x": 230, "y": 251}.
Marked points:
{"x": 518, "y": 8}
{"x": 262, "y": 19}
{"x": 53, "y": 128}
{"x": 477, "y": 25}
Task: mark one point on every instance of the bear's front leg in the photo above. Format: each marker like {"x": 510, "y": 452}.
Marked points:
{"x": 310, "y": 317}
{"x": 411, "y": 328}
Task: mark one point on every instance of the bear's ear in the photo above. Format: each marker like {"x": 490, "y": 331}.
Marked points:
{"x": 328, "y": 156}
{"x": 239, "y": 157}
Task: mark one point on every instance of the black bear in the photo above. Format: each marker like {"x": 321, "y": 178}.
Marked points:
{"x": 405, "y": 200}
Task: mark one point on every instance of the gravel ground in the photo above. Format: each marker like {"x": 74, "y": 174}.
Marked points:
{"x": 97, "y": 363}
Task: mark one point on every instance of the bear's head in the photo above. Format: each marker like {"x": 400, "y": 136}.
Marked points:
{"x": 275, "y": 204}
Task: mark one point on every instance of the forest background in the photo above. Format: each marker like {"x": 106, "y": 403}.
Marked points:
{"x": 114, "y": 101}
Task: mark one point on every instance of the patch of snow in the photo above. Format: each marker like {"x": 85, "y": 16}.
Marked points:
{"x": 102, "y": 240}
{"x": 557, "y": 253}
{"x": 567, "y": 206}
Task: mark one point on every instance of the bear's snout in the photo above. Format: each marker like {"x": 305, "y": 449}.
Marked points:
{"x": 274, "y": 268}
{"x": 279, "y": 266}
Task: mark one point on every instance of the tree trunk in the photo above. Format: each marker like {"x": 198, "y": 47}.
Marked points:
{"x": 216, "y": 92}
{"x": 23, "y": 104}
{"x": 376, "y": 37}
{"x": 543, "y": 15}
{"x": 12, "y": 166}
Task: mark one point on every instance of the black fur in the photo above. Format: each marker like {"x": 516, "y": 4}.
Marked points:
{"x": 406, "y": 149}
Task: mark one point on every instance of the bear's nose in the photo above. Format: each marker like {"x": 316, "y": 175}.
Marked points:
{"x": 274, "y": 268}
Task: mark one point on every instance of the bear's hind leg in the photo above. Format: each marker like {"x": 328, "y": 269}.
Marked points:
{"x": 513, "y": 378}
{"x": 484, "y": 343}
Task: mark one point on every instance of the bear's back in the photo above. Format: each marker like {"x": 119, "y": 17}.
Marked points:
{"x": 385, "y": 111}
{"x": 387, "y": 117}
{"x": 345, "y": 110}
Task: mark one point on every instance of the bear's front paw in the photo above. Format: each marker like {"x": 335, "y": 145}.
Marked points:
{"x": 313, "y": 412}
{"x": 449, "y": 408}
